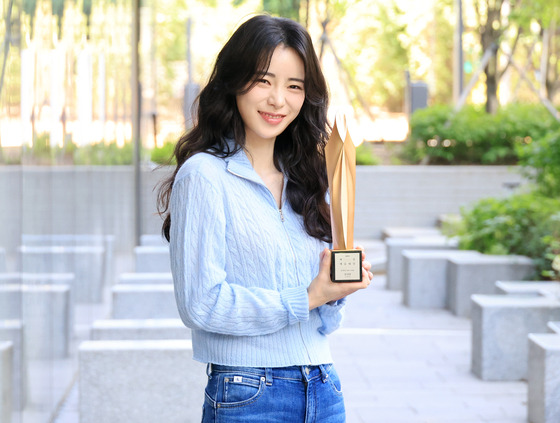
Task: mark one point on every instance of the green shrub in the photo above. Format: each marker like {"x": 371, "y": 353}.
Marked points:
{"x": 164, "y": 155}
{"x": 104, "y": 154}
{"x": 526, "y": 224}
{"x": 365, "y": 155}
{"x": 471, "y": 136}
{"x": 93, "y": 154}
{"x": 42, "y": 146}
{"x": 41, "y": 152}
{"x": 541, "y": 161}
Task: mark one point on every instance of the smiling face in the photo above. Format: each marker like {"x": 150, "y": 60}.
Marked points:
{"x": 275, "y": 100}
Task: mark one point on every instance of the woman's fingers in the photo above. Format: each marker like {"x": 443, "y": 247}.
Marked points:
{"x": 365, "y": 264}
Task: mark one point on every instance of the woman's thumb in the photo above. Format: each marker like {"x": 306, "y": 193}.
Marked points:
{"x": 326, "y": 259}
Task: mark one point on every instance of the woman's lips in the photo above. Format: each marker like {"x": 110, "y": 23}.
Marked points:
{"x": 272, "y": 119}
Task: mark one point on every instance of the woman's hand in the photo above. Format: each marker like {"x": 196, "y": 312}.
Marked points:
{"x": 322, "y": 290}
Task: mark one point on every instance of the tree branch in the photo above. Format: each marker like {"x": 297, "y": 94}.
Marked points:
{"x": 504, "y": 70}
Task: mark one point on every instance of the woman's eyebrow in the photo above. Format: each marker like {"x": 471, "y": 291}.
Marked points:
{"x": 262, "y": 73}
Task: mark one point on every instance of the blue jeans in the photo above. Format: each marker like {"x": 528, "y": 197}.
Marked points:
{"x": 273, "y": 395}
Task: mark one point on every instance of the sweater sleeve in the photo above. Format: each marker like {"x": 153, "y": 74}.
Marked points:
{"x": 331, "y": 316}
{"x": 205, "y": 298}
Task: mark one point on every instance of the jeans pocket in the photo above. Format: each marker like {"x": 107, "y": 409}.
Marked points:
{"x": 240, "y": 389}
{"x": 334, "y": 380}
{"x": 230, "y": 390}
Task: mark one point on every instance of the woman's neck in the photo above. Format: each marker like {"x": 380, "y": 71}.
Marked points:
{"x": 261, "y": 156}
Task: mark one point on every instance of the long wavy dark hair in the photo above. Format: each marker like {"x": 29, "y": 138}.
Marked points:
{"x": 298, "y": 151}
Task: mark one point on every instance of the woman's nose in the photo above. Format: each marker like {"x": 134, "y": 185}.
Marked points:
{"x": 276, "y": 98}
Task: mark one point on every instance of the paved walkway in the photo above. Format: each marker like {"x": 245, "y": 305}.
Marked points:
{"x": 400, "y": 365}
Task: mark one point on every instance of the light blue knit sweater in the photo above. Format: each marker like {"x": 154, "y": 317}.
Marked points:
{"x": 241, "y": 269}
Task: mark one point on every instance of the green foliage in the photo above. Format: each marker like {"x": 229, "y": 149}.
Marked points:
{"x": 171, "y": 41}
{"x": 86, "y": 10}
{"x": 41, "y": 146}
{"x": 164, "y": 155}
{"x": 543, "y": 11}
{"x": 378, "y": 56}
{"x": 58, "y": 11}
{"x": 526, "y": 224}
{"x": 365, "y": 155}
{"x": 336, "y": 9}
{"x": 285, "y": 8}
{"x": 104, "y": 154}
{"x": 86, "y": 7}
{"x": 472, "y": 136}
{"x": 439, "y": 35}
{"x": 42, "y": 153}
{"x": 29, "y": 7}
{"x": 57, "y": 7}
{"x": 541, "y": 161}
{"x": 523, "y": 224}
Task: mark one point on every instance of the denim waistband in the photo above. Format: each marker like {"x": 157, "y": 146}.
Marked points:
{"x": 298, "y": 373}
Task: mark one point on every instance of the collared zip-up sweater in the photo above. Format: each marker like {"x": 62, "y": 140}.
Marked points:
{"x": 241, "y": 268}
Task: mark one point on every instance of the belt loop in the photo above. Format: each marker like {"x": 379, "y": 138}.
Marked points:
{"x": 268, "y": 376}
{"x": 324, "y": 373}
{"x": 209, "y": 370}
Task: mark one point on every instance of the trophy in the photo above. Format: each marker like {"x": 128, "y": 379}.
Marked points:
{"x": 340, "y": 155}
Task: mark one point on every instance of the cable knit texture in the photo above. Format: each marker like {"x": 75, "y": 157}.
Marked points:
{"x": 241, "y": 268}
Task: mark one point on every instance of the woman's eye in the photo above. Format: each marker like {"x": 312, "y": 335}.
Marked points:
{"x": 296, "y": 87}
{"x": 262, "y": 81}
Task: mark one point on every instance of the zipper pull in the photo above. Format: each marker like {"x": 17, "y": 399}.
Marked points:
{"x": 281, "y": 215}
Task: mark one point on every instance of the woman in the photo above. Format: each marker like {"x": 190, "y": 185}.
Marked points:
{"x": 248, "y": 227}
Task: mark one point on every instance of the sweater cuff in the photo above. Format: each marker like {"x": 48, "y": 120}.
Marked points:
{"x": 296, "y": 301}
{"x": 334, "y": 307}
{"x": 331, "y": 316}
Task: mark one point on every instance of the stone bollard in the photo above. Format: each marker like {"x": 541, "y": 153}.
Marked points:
{"x": 78, "y": 240}
{"x": 395, "y": 261}
{"x": 554, "y": 327}
{"x": 138, "y": 330}
{"x": 37, "y": 278}
{"x": 6, "y": 380}
{"x": 45, "y": 313}
{"x": 86, "y": 263}
{"x": 152, "y": 259}
{"x": 425, "y": 277}
{"x": 500, "y": 325}
{"x": 409, "y": 232}
{"x": 150, "y": 240}
{"x": 543, "y": 385}
{"x": 60, "y": 279}
{"x": 468, "y": 275}
{"x": 140, "y": 382}
{"x": 144, "y": 302}
{"x": 13, "y": 332}
{"x": 145, "y": 278}
{"x": 537, "y": 288}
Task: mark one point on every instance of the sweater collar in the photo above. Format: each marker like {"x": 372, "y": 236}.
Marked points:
{"x": 240, "y": 165}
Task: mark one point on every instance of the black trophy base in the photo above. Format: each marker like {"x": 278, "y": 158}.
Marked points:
{"x": 346, "y": 265}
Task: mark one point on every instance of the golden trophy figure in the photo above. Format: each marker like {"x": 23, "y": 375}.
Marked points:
{"x": 340, "y": 155}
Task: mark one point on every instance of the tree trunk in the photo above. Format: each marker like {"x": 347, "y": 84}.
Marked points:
{"x": 549, "y": 70}
{"x": 490, "y": 35}
{"x": 491, "y": 72}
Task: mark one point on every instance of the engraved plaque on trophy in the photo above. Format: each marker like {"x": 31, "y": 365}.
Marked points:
{"x": 340, "y": 155}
